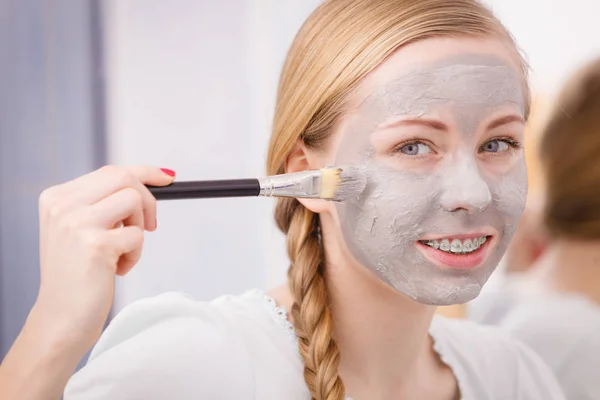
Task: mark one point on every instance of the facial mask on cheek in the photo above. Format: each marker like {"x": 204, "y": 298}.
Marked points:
{"x": 399, "y": 207}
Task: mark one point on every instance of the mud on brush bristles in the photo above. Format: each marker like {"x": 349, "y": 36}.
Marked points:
{"x": 352, "y": 182}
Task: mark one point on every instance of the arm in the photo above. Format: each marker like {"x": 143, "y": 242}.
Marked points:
{"x": 39, "y": 364}
{"x": 91, "y": 228}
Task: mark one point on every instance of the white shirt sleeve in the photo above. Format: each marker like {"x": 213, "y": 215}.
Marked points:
{"x": 167, "y": 347}
{"x": 535, "y": 380}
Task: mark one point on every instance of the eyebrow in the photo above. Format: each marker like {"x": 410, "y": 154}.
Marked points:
{"x": 431, "y": 123}
{"x": 505, "y": 120}
{"x": 438, "y": 125}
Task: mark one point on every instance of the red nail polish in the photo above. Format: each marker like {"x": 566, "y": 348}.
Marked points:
{"x": 167, "y": 171}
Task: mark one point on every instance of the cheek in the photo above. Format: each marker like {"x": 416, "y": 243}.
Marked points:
{"x": 394, "y": 204}
{"x": 509, "y": 192}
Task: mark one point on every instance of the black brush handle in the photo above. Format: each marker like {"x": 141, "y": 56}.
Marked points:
{"x": 206, "y": 189}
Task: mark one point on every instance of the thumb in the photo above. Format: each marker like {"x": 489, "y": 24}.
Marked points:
{"x": 153, "y": 176}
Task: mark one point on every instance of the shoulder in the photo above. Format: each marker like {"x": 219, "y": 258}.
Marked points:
{"x": 492, "y": 363}
{"x": 168, "y": 346}
{"x": 483, "y": 345}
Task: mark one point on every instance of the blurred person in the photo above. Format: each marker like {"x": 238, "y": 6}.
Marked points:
{"x": 529, "y": 241}
{"x": 553, "y": 304}
{"x": 429, "y": 99}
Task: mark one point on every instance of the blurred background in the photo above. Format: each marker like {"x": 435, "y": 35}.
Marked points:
{"x": 187, "y": 85}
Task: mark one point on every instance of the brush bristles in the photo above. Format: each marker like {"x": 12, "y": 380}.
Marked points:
{"x": 341, "y": 184}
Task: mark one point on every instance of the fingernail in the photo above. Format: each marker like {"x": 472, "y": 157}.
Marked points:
{"x": 167, "y": 171}
{"x": 155, "y": 223}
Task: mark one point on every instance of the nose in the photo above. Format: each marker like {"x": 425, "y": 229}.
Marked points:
{"x": 464, "y": 188}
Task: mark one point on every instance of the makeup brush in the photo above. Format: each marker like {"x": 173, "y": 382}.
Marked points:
{"x": 331, "y": 183}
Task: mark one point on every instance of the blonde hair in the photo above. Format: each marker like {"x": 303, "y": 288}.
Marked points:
{"x": 569, "y": 148}
{"x": 339, "y": 44}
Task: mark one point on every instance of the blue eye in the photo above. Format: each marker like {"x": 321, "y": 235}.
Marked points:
{"x": 414, "y": 149}
{"x": 495, "y": 146}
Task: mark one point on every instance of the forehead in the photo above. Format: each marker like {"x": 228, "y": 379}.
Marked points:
{"x": 436, "y": 52}
{"x": 463, "y": 81}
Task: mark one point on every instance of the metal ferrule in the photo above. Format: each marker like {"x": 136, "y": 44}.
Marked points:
{"x": 306, "y": 184}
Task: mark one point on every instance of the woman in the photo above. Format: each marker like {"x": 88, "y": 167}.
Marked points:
{"x": 428, "y": 98}
{"x": 554, "y": 305}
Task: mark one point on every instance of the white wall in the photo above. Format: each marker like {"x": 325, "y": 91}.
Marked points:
{"x": 557, "y": 35}
{"x": 191, "y": 86}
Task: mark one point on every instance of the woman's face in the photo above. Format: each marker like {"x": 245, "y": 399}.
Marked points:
{"x": 437, "y": 130}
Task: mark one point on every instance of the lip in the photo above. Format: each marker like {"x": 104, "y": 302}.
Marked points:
{"x": 458, "y": 261}
{"x": 460, "y": 236}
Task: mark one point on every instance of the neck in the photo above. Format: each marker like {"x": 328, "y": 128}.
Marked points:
{"x": 571, "y": 266}
{"x": 382, "y": 335}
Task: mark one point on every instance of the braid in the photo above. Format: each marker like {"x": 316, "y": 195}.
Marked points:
{"x": 312, "y": 318}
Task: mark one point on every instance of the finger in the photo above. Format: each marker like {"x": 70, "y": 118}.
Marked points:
{"x": 128, "y": 242}
{"x": 109, "y": 174}
{"x": 131, "y": 258}
{"x": 112, "y": 213}
{"x": 99, "y": 184}
{"x": 152, "y": 175}
{"x": 148, "y": 176}
{"x": 115, "y": 209}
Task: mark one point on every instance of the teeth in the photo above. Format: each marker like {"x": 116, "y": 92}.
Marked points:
{"x": 445, "y": 245}
{"x": 468, "y": 245}
{"x": 456, "y": 246}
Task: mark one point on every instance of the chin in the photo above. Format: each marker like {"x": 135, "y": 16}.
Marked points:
{"x": 447, "y": 291}
{"x": 461, "y": 296}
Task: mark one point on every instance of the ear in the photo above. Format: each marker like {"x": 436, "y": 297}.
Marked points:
{"x": 302, "y": 159}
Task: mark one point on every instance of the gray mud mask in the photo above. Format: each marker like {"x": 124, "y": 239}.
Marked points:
{"x": 381, "y": 227}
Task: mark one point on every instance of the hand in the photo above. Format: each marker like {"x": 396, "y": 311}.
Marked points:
{"x": 91, "y": 228}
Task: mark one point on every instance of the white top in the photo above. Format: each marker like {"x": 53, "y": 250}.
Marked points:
{"x": 244, "y": 348}
{"x": 564, "y": 329}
